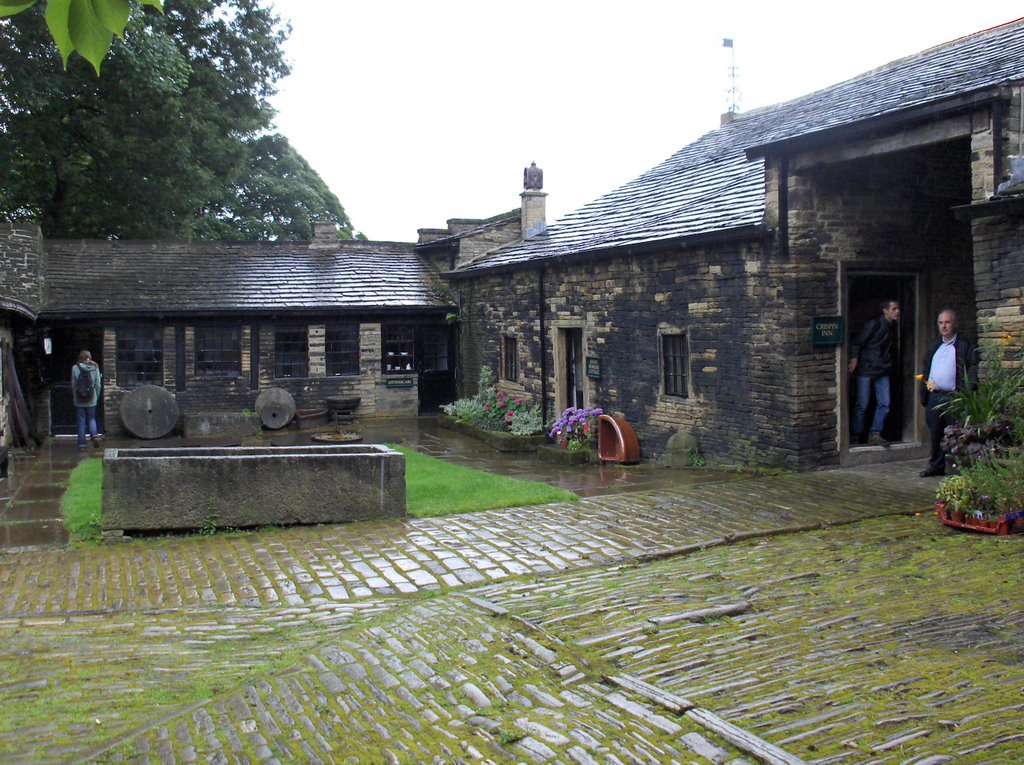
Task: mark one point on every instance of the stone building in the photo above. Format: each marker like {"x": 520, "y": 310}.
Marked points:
{"x": 714, "y": 295}
{"x": 217, "y": 323}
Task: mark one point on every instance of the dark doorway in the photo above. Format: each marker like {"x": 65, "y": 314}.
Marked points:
{"x": 572, "y": 343}
{"x": 865, "y": 294}
{"x": 65, "y": 347}
{"x": 435, "y": 355}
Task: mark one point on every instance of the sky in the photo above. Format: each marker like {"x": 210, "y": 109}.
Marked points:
{"x": 417, "y": 112}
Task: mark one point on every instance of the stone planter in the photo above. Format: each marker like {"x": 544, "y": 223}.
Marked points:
{"x": 241, "y": 487}
{"x": 561, "y": 455}
{"x": 498, "y": 440}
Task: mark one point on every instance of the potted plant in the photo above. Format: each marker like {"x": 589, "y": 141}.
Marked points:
{"x": 575, "y": 429}
{"x": 987, "y": 493}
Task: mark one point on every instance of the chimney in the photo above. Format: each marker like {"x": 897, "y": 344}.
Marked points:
{"x": 533, "y": 217}
{"x": 325, "y": 234}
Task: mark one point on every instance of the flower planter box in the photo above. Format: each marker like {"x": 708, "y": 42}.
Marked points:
{"x": 1009, "y": 523}
{"x": 560, "y": 455}
{"x": 496, "y": 439}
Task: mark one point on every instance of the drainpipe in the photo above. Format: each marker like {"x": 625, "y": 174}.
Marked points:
{"x": 784, "y": 206}
{"x": 542, "y": 314}
{"x": 997, "y": 142}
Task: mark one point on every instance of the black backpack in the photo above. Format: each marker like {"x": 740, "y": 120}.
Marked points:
{"x": 84, "y": 389}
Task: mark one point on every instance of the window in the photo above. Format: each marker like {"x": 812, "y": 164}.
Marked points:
{"x": 140, "y": 356}
{"x": 291, "y": 352}
{"x": 435, "y": 350}
{"x": 399, "y": 349}
{"x": 341, "y": 349}
{"x": 509, "y": 359}
{"x": 676, "y": 360}
{"x": 218, "y": 351}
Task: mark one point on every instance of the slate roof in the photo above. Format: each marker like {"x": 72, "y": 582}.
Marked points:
{"x": 716, "y": 185}
{"x": 219, "y": 278}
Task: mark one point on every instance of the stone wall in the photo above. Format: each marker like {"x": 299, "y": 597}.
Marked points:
{"x": 759, "y": 390}
{"x": 998, "y": 269}
{"x": 217, "y": 394}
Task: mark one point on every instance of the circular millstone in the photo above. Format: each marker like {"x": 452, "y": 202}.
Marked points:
{"x": 276, "y": 407}
{"x": 149, "y": 412}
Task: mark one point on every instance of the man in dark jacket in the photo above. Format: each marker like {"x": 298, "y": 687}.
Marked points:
{"x": 950, "y": 364}
{"x": 871, "y": 360}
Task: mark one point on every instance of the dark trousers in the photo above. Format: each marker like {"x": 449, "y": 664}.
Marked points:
{"x": 937, "y": 421}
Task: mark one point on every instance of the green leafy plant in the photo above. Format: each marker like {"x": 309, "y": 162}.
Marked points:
{"x": 986, "y": 489}
{"x": 84, "y": 28}
{"x": 997, "y": 396}
{"x": 527, "y": 422}
{"x": 696, "y": 458}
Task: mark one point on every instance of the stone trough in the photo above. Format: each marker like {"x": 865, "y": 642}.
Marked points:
{"x": 153, "y": 489}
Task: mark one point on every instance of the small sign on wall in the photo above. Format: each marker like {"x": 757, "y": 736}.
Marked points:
{"x": 828, "y": 330}
{"x": 593, "y": 367}
{"x": 398, "y": 382}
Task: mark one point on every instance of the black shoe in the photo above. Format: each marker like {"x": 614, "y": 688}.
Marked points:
{"x": 875, "y": 439}
{"x": 930, "y": 471}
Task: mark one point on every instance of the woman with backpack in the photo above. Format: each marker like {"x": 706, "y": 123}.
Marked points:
{"x": 85, "y": 389}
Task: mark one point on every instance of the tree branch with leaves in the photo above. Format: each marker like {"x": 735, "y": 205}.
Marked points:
{"x": 85, "y": 27}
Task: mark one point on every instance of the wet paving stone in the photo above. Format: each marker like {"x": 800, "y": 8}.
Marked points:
{"x": 789, "y": 606}
{"x": 856, "y": 643}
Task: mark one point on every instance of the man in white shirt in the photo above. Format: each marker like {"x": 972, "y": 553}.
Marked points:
{"x": 951, "y": 362}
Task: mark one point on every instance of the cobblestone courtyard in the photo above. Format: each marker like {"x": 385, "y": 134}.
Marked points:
{"x": 810, "y": 617}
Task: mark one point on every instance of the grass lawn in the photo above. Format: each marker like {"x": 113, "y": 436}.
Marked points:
{"x": 433, "y": 488}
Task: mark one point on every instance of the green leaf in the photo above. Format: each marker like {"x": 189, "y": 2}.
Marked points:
{"x": 89, "y": 35}
{"x": 112, "y": 14}
{"x": 57, "y": 21}
{"x": 11, "y": 7}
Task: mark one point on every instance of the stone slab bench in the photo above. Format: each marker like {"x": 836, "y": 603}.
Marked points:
{"x": 239, "y": 487}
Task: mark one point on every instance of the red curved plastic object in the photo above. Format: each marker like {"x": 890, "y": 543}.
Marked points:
{"x": 616, "y": 441}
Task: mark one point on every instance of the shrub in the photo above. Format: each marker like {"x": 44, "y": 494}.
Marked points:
{"x": 494, "y": 410}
